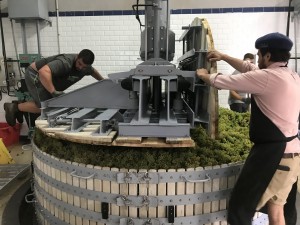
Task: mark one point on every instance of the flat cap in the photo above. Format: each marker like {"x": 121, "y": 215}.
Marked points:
{"x": 274, "y": 40}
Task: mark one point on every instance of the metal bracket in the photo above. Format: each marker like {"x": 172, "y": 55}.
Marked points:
{"x": 171, "y": 214}
{"x": 137, "y": 201}
{"x": 135, "y": 177}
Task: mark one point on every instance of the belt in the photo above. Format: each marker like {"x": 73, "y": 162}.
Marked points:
{"x": 290, "y": 155}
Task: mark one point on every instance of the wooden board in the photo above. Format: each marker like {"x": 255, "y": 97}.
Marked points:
{"x": 88, "y": 136}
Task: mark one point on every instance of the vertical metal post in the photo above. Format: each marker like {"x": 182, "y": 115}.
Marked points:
{"x": 156, "y": 27}
{"x": 57, "y": 25}
{"x": 156, "y": 44}
{"x": 167, "y": 31}
{"x": 146, "y": 34}
{"x": 37, "y": 22}
{"x": 4, "y": 52}
{"x": 24, "y": 36}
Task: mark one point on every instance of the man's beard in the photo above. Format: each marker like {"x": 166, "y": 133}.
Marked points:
{"x": 262, "y": 65}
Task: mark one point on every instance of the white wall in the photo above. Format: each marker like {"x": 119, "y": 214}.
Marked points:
{"x": 116, "y": 39}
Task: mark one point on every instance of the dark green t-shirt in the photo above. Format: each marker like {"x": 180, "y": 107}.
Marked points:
{"x": 64, "y": 73}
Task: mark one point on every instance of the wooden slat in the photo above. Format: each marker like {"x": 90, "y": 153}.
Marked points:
{"x": 207, "y": 188}
{"x": 48, "y": 187}
{"x": 98, "y": 188}
{"x": 180, "y": 190}
{"x": 52, "y": 190}
{"x": 58, "y": 212}
{"x": 128, "y": 140}
{"x": 90, "y": 202}
{"x": 189, "y": 189}
{"x": 153, "y": 189}
{"x": 115, "y": 189}
{"x": 143, "y": 191}
{"x": 215, "y": 205}
{"x": 106, "y": 188}
{"x": 76, "y": 183}
{"x": 124, "y": 191}
{"x": 83, "y": 201}
{"x": 171, "y": 187}
{"x": 86, "y": 136}
{"x": 161, "y": 191}
{"x": 72, "y": 219}
{"x": 64, "y": 195}
{"x": 199, "y": 188}
{"x": 133, "y": 190}
{"x": 223, "y": 186}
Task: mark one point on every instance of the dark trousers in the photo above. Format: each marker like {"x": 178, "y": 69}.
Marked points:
{"x": 239, "y": 107}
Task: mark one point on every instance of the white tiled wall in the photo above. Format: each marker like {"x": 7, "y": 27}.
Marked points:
{"x": 115, "y": 40}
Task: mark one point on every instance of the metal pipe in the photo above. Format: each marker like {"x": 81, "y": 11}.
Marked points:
{"x": 15, "y": 46}
{"x": 57, "y": 26}
{"x": 4, "y": 52}
{"x": 24, "y": 36}
{"x": 37, "y": 23}
{"x": 288, "y": 19}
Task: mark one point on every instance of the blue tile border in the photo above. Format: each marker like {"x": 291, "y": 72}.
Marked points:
{"x": 173, "y": 11}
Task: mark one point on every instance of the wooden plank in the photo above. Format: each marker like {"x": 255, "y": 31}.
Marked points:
{"x": 143, "y": 191}
{"x": 107, "y": 189}
{"x": 161, "y": 191}
{"x": 124, "y": 191}
{"x": 76, "y": 183}
{"x": 180, "y": 190}
{"x": 48, "y": 188}
{"x": 215, "y": 187}
{"x": 83, "y": 201}
{"x": 133, "y": 190}
{"x": 171, "y": 187}
{"x": 90, "y": 202}
{"x": 58, "y": 212}
{"x": 115, "y": 189}
{"x": 158, "y": 143}
{"x": 223, "y": 186}
{"x": 132, "y": 140}
{"x": 64, "y": 195}
{"x": 153, "y": 189}
{"x": 72, "y": 219}
{"x": 207, "y": 188}
{"x": 199, "y": 188}
{"x": 189, "y": 190}
{"x": 86, "y": 136}
{"x": 98, "y": 188}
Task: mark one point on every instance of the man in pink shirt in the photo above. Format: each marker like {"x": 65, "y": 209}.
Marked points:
{"x": 273, "y": 164}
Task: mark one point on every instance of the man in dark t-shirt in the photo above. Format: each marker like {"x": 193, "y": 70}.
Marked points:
{"x": 48, "y": 78}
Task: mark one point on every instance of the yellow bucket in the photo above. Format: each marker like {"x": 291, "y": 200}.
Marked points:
{"x": 5, "y": 157}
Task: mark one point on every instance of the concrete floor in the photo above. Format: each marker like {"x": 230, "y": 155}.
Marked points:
{"x": 22, "y": 154}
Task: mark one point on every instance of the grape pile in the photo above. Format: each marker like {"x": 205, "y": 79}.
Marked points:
{"x": 231, "y": 145}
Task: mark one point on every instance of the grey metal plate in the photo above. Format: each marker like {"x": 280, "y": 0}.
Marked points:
{"x": 10, "y": 172}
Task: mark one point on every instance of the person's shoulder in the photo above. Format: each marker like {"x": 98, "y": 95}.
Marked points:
{"x": 69, "y": 55}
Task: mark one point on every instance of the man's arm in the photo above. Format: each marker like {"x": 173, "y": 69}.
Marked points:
{"x": 235, "y": 95}
{"x": 214, "y": 55}
{"x": 45, "y": 76}
{"x": 96, "y": 74}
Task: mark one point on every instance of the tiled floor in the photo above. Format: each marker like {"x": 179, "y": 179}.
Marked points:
{"x": 22, "y": 154}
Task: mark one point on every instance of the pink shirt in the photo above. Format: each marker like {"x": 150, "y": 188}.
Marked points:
{"x": 276, "y": 91}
